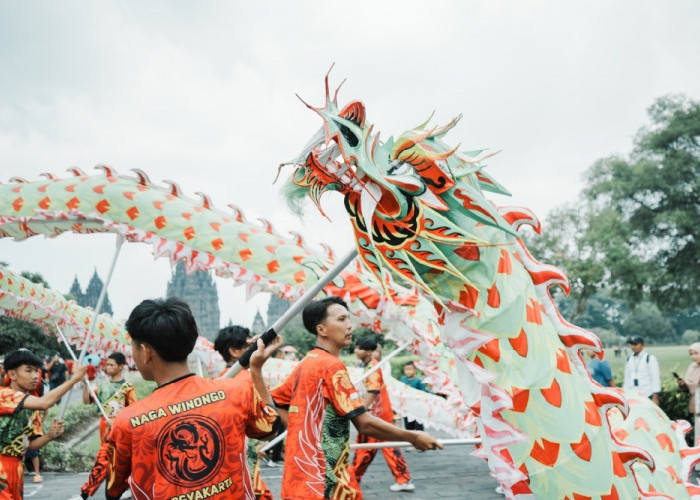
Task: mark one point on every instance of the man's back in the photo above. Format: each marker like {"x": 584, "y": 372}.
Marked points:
{"x": 188, "y": 437}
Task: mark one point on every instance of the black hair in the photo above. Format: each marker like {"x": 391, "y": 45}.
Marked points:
{"x": 118, "y": 358}
{"x": 317, "y": 311}
{"x": 20, "y": 357}
{"x": 367, "y": 344}
{"x": 410, "y": 363}
{"x": 235, "y": 337}
{"x": 166, "y": 325}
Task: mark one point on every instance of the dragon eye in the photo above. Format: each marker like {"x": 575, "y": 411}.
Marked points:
{"x": 348, "y": 135}
{"x": 400, "y": 168}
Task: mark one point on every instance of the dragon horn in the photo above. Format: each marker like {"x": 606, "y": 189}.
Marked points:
{"x": 48, "y": 175}
{"x": 328, "y": 93}
{"x": 335, "y": 95}
{"x": 20, "y": 180}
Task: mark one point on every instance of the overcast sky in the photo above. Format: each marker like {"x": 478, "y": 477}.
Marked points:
{"x": 203, "y": 93}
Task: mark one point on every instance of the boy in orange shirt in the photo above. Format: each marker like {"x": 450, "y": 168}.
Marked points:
{"x": 20, "y": 422}
{"x": 188, "y": 438}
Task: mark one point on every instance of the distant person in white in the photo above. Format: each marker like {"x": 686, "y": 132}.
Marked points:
{"x": 642, "y": 371}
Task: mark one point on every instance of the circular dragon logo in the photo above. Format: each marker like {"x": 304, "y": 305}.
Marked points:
{"x": 190, "y": 450}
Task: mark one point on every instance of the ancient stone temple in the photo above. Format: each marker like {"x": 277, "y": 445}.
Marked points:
{"x": 258, "y": 324}
{"x": 276, "y": 308}
{"x": 92, "y": 294}
{"x": 199, "y": 291}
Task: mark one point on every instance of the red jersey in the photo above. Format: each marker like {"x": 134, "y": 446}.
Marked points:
{"x": 188, "y": 440}
{"x": 321, "y": 400}
{"x": 381, "y": 406}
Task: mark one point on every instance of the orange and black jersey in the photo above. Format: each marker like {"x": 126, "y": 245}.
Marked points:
{"x": 188, "y": 440}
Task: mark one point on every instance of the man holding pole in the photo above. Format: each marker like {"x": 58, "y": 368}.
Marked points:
{"x": 318, "y": 401}
{"x": 113, "y": 394}
{"x": 20, "y": 422}
{"x": 377, "y": 401}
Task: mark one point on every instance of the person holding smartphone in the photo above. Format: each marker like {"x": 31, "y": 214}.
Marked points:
{"x": 691, "y": 380}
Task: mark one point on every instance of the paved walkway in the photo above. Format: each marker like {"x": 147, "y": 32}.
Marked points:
{"x": 451, "y": 474}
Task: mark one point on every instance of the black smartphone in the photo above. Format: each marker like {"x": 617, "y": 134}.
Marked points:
{"x": 676, "y": 375}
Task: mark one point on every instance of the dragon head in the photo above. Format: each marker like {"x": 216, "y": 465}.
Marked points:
{"x": 400, "y": 194}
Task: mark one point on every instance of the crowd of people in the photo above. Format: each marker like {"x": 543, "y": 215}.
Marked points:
{"x": 199, "y": 437}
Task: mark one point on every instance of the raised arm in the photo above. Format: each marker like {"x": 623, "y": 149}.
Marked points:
{"x": 50, "y": 398}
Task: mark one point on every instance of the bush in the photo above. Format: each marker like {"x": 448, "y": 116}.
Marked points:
{"x": 690, "y": 336}
{"x": 55, "y": 456}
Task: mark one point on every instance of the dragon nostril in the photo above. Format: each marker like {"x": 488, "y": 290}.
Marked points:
{"x": 349, "y": 135}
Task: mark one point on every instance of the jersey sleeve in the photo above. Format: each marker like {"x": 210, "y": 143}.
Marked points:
{"x": 130, "y": 396}
{"x": 119, "y": 456}
{"x": 338, "y": 389}
{"x": 282, "y": 394}
{"x": 374, "y": 382}
{"x": 262, "y": 420}
{"x": 35, "y": 423}
{"x": 11, "y": 401}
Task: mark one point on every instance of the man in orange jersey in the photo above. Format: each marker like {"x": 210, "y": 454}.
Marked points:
{"x": 377, "y": 400}
{"x": 20, "y": 422}
{"x": 114, "y": 394}
{"x": 231, "y": 342}
{"x": 188, "y": 438}
{"x": 318, "y": 401}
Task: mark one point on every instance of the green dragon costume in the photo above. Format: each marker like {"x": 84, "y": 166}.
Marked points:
{"x": 418, "y": 210}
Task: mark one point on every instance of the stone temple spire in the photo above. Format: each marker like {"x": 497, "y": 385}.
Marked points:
{"x": 76, "y": 291}
{"x": 92, "y": 294}
{"x": 199, "y": 291}
{"x": 258, "y": 324}
{"x": 276, "y": 308}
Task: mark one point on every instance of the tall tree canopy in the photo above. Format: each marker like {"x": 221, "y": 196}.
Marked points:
{"x": 652, "y": 200}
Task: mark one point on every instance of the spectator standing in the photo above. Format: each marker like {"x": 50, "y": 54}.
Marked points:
{"x": 599, "y": 369}
{"x": 58, "y": 372}
{"x": 691, "y": 379}
{"x": 409, "y": 378}
{"x": 642, "y": 371}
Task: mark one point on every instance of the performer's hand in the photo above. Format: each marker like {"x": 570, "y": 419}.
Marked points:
{"x": 57, "y": 428}
{"x": 263, "y": 353}
{"x": 79, "y": 371}
{"x": 423, "y": 441}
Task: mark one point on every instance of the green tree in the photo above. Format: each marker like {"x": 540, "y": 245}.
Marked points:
{"x": 647, "y": 321}
{"x": 652, "y": 202}
{"x": 296, "y": 335}
{"x": 690, "y": 336}
{"x": 567, "y": 243}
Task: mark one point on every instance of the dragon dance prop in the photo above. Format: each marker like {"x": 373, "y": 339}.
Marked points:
{"x": 253, "y": 255}
{"x": 23, "y": 299}
{"x": 419, "y": 211}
